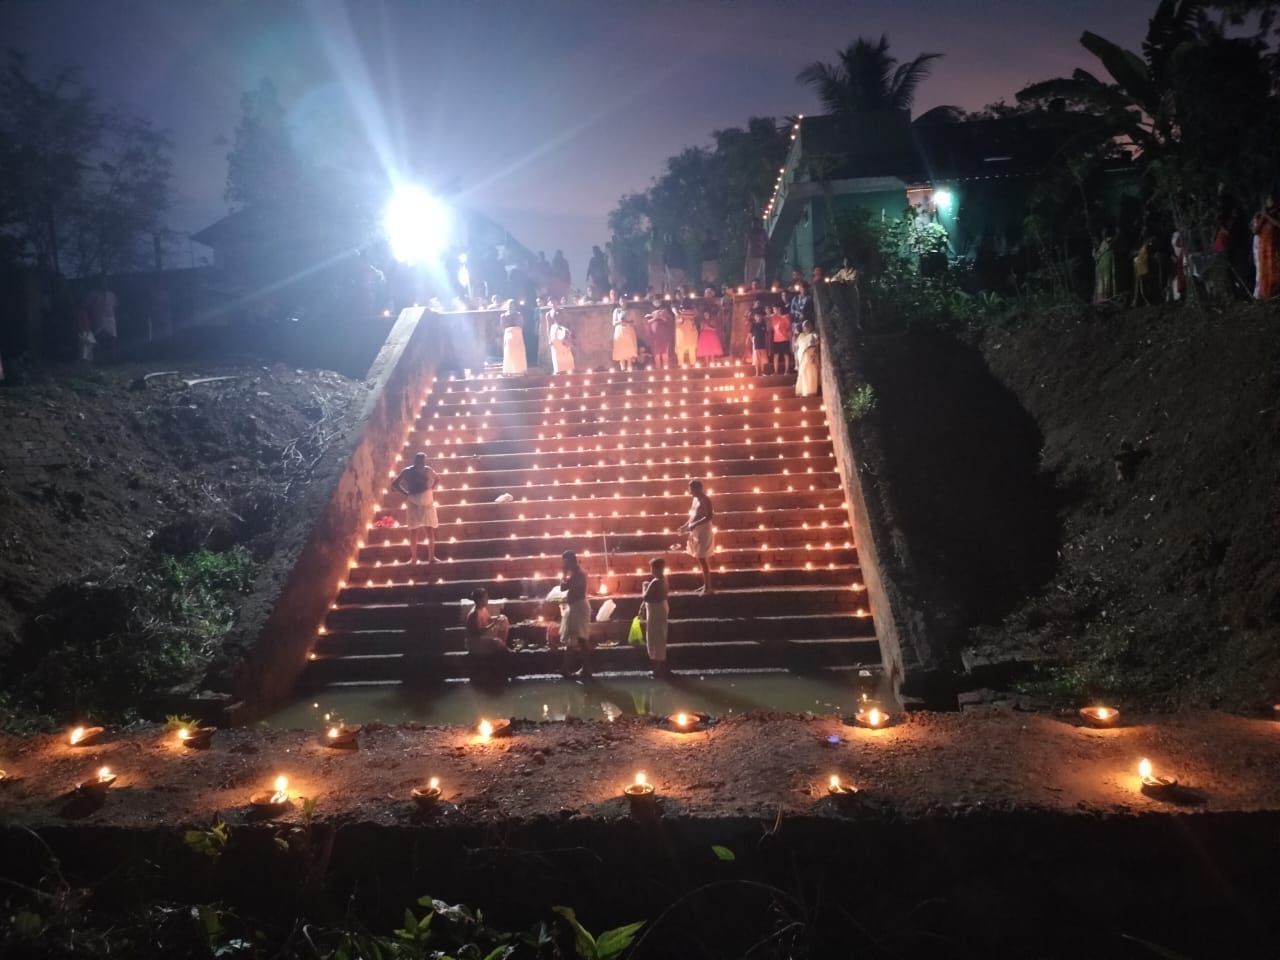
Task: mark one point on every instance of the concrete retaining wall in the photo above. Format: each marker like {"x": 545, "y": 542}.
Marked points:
{"x": 910, "y": 654}
{"x": 419, "y": 345}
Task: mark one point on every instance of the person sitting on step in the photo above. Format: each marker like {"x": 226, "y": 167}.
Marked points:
{"x": 486, "y": 633}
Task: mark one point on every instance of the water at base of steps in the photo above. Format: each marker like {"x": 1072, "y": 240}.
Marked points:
{"x": 606, "y": 696}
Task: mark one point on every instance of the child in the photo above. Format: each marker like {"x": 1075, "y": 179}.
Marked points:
{"x": 656, "y": 609}
{"x": 759, "y": 332}
{"x": 780, "y": 323}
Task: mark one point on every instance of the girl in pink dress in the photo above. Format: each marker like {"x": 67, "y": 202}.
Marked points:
{"x": 709, "y": 345}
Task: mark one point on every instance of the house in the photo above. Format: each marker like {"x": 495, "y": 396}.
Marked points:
{"x": 974, "y": 177}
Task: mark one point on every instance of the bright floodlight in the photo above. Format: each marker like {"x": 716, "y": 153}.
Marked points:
{"x": 942, "y": 199}
{"x": 417, "y": 225}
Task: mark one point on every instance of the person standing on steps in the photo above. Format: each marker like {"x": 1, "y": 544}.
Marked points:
{"x": 700, "y": 533}
{"x": 656, "y": 611}
{"x": 808, "y": 378}
{"x": 780, "y": 348}
{"x": 418, "y": 484}
{"x": 625, "y": 348}
{"x": 575, "y": 618}
{"x": 514, "y": 361}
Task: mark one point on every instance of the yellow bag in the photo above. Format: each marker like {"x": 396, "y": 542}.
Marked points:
{"x": 636, "y": 636}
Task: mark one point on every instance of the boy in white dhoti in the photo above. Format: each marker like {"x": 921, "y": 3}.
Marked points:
{"x": 575, "y": 617}
{"x": 418, "y": 484}
{"x": 700, "y": 534}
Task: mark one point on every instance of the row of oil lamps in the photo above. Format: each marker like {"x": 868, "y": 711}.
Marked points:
{"x": 339, "y": 734}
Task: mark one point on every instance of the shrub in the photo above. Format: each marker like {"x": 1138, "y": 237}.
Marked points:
{"x": 860, "y": 403}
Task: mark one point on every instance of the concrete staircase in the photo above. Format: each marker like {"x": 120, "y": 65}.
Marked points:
{"x": 601, "y": 461}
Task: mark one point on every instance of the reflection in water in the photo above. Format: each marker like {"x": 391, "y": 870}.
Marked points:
{"x": 605, "y": 698}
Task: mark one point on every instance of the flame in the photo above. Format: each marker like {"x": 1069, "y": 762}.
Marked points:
{"x": 1104, "y": 713}
{"x": 104, "y": 774}
{"x": 604, "y": 589}
{"x": 434, "y": 783}
{"x": 77, "y": 735}
{"x": 875, "y": 717}
{"x": 486, "y": 731}
{"x": 282, "y": 790}
{"x": 184, "y": 733}
{"x": 333, "y": 733}
{"x": 682, "y": 719}
{"x": 835, "y": 782}
{"x": 1144, "y": 769}
{"x": 641, "y": 780}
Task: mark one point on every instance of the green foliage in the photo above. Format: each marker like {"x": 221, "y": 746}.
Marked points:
{"x": 866, "y": 78}
{"x": 208, "y": 843}
{"x": 723, "y": 853}
{"x": 704, "y": 190}
{"x": 104, "y": 648}
{"x": 607, "y": 946}
{"x": 860, "y": 404}
{"x": 175, "y": 722}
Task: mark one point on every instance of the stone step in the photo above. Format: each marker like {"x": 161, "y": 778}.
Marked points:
{"x": 534, "y": 413}
{"x": 689, "y": 433}
{"x": 537, "y": 386}
{"x": 621, "y": 583}
{"x": 825, "y": 523}
{"x": 522, "y": 565}
{"x": 739, "y": 655}
{"x": 764, "y": 449}
{"x": 668, "y": 495}
{"x": 452, "y": 638}
{"x": 654, "y": 541}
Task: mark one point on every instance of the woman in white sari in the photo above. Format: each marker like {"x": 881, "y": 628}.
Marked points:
{"x": 807, "y": 374}
{"x": 561, "y": 351}
{"x": 514, "y": 361}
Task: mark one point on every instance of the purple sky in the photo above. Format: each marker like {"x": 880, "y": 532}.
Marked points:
{"x": 546, "y": 111}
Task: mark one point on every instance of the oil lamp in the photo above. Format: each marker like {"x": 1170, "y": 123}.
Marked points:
{"x": 837, "y": 789}
{"x": 272, "y": 801}
{"x": 1160, "y": 788}
{"x": 489, "y": 730}
{"x": 873, "y": 718}
{"x": 639, "y": 789}
{"x": 99, "y": 784}
{"x": 428, "y": 795}
{"x": 688, "y": 722}
{"x": 83, "y": 735}
{"x": 339, "y": 735}
{"x": 1100, "y": 716}
{"x": 195, "y": 738}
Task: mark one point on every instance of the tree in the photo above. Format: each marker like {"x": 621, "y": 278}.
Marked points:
{"x": 866, "y": 78}
{"x": 716, "y": 191}
{"x": 83, "y": 189}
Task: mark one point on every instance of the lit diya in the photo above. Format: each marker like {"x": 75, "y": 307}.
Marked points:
{"x": 428, "y": 795}
{"x": 195, "y": 738}
{"x": 688, "y": 722}
{"x": 838, "y": 789}
{"x": 1153, "y": 786}
{"x": 82, "y": 735}
{"x": 275, "y": 801}
{"x": 489, "y": 730}
{"x": 638, "y": 789}
{"x": 873, "y": 718}
{"x": 1100, "y": 716}
{"x": 100, "y": 783}
{"x": 341, "y": 736}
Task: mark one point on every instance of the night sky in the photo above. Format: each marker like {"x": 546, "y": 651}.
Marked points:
{"x": 546, "y": 112}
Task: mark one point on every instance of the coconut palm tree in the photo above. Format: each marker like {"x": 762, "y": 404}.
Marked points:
{"x": 866, "y": 78}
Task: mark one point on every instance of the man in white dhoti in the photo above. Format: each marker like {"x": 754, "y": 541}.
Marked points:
{"x": 700, "y": 532}
{"x": 418, "y": 484}
{"x": 575, "y": 618}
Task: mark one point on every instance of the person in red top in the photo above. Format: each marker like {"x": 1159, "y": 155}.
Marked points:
{"x": 780, "y": 324}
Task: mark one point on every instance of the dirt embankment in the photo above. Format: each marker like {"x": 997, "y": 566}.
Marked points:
{"x": 102, "y": 472}
{"x": 1160, "y": 438}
